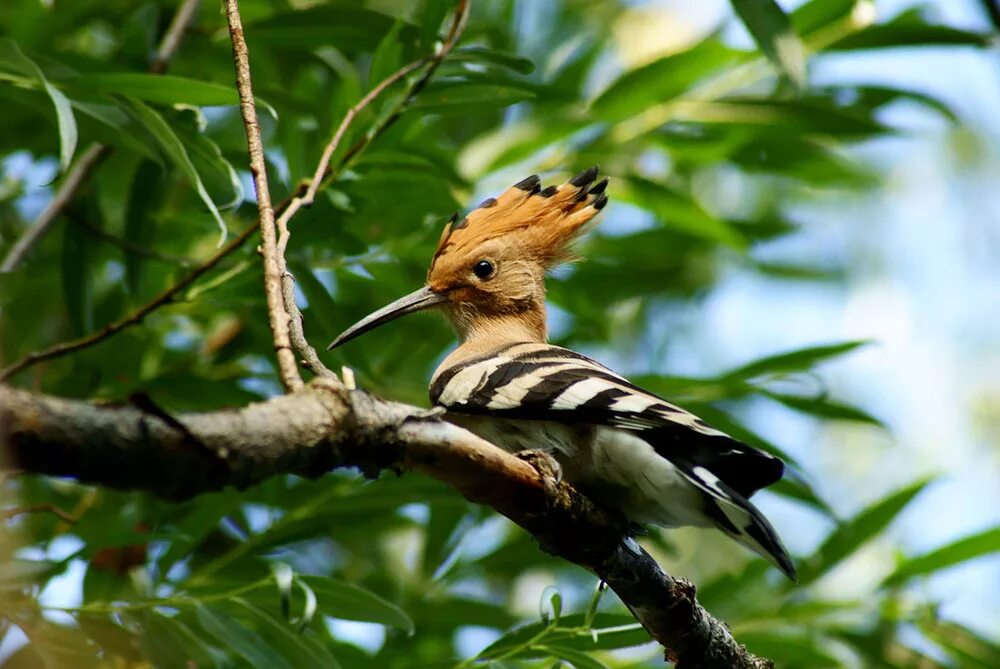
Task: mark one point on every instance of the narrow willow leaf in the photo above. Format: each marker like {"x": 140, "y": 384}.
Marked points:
{"x": 388, "y": 56}
{"x": 461, "y": 97}
{"x": 909, "y": 29}
{"x": 12, "y": 59}
{"x": 851, "y": 535}
{"x": 774, "y": 34}
{"x": 966, "y": 548}
{"x": 662, "y": 80}
{"x": 972, "y": 650}
{"x": 350, "y": 602}
{"x": 300, "y": 650}
{"x": 144, "y": 200}
{"x": 168, "y": 642}
{"x": 174, "y": 148}
{"x": 480, "y": 54}
{"x": 164, "y": 89}
{"x": 793, "y": 361}
{"x": 822, "y": 407}
{"x": 78, "y": 288}
{"x": 578, "y": 659}
{"x": 238, "y": 639}
{"x": 678, "y": 211}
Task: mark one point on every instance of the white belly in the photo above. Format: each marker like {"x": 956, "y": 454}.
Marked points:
{"x": 614, "y": 466}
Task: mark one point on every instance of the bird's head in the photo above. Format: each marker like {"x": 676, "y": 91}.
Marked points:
{"x": 487, "y": 274}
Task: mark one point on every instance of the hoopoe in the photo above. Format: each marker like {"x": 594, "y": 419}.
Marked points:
{"x": 622, "y": 445}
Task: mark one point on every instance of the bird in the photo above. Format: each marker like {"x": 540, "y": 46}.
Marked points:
{"x": 625, "y": 447}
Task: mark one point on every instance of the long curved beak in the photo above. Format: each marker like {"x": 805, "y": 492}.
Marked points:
{"x": 415, "y": 301}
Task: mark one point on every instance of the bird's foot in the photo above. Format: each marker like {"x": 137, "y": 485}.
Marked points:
{"x": 544, "y": 464}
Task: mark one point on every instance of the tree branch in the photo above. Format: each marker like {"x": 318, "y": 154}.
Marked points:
{"x": 133, "y": 318}
{"x": 274, "y": 263}
{"x": 324, "y": 426}
{"x": 76, "y": 177}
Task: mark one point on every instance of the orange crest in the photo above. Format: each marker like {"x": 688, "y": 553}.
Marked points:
{"x": 526, "y": 222}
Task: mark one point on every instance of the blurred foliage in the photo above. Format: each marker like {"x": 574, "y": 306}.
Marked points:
{"x": 260, "y": 577}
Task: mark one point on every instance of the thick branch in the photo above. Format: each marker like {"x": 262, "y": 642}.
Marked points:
{"x": 324, "y": 426}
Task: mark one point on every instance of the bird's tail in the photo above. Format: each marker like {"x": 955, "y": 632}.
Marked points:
{"x": 735, "y": 515}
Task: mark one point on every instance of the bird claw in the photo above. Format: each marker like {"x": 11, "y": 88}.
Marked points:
{"x": 543, "y": 462}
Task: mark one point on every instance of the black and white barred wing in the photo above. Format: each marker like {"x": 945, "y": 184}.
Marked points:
{"x": 533, "y": 381}
{"x": 542, "y": 382}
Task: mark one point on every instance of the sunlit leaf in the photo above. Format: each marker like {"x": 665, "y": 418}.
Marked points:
{"x": 774, "y": 34}
{"x": 174, "y": 149}
{"x": 12, "y": 59}
{"x": 239, "y": 639}
{"x": 966, "y": 548}
{"x": 823, "y": 408}
{"x": 793, "y": 361}
{"x": 350, "y": 602}
{"x": 855, "y": 532}
{"x": 661, "y": 80}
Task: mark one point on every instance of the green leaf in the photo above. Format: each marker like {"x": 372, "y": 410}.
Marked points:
{"x": 576, "y": 658}
{"x": 678, "y": 211}
{"x": 811, "y": 117}
{"x": 350, "y": 602}
{"x": 167, "y": 642}
{"x": 387, "y": 57}
{"x": 793, "y": 361}
{"x": 481, "y": 54}
{"x": 430, "y": 23}
{"x": 823, "y": 408}
{"x": 966, "y": 548}
{"x": 775, "y": 36}
{"x": 817, "y": 14}
{"x": 77, "y": 283}
{"x": 851, "y": 535}
{"x": 606, "y": 632}
{"x": 662, "y": 80}
{"x": 164, "y": 89}
{"x": 174, "y": 148}
{"x": 145, "y": 198}
{"x": 909, "y": 29}
{"x": 300, "y": 650}
{"x": 464, "y": 98}
{"x": 12, "y": 59}
{"x": 239, "y": 639}
{"x": 337, "y": 24}
{"x": 971, "y": 650}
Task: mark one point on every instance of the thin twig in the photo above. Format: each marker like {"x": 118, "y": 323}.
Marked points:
{"x": 288, "y": 370}
{"x": 65, "y": 516}
{"x": 172, "y": 38}
{"x": 323, "y": 172}
{"x": 133, "y": 318}
{"x": 75, "y": 178}
{"x": 96, "y": 153}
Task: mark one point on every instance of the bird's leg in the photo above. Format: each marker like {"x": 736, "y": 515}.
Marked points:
{"x": 543, "y": 462}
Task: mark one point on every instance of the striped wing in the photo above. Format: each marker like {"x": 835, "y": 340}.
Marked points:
{"x": 542, "y": 382}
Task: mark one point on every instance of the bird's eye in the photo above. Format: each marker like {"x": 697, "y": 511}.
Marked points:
{"x": 483, "y": 269}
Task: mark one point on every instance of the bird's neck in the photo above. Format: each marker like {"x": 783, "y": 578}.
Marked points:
{"x": 480, "y": 334}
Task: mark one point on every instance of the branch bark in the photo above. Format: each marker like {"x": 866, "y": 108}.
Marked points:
{"x": 274, "y": 263}
{"x": 324, "y": 426}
